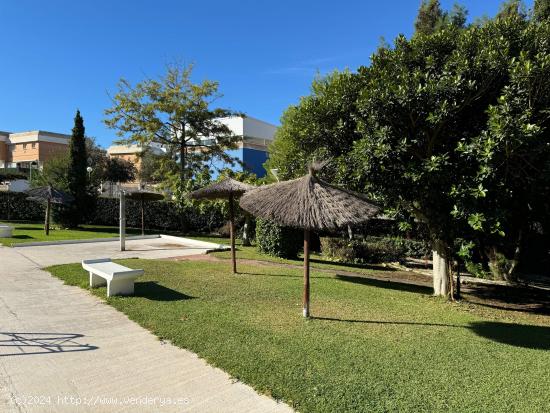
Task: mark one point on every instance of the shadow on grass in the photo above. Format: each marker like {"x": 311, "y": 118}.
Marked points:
{"x": 279, "y": 275}
{"x": 360, "y": 266}
{"x": 509, "y": 298}
{"x": 408, "y": 323}
{"x": 518, "y": 335}
{"x": 392, "y": 285}
{"x": 23, "y": 236}
{"x": 156, "y": 292}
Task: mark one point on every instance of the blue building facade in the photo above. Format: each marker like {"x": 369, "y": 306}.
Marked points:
{"x": 252, "y": 151}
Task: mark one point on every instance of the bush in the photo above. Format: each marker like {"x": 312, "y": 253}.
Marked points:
{"x": 278, "y": 241}
{"x": 15, "y": 206}
{"x": 372, "y": 249}
{"x": 161, "y": 215}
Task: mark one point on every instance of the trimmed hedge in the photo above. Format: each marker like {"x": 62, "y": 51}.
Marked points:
{"x": 15, "y": 206}
{"x": 373, "y": 250}
{"x": 161, "y": 215}
{"x": 278, "y": 241}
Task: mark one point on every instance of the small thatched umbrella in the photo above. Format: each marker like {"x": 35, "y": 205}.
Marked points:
{"x": 229, "y": 189}
{"x": 311, "y": 204}
{"x": 50, "y": 196}
{"x": 143, "y": 196}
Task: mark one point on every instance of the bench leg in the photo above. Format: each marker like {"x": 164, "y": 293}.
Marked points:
{"x": 96, "y": 281}
{"x": 120, "y": 287}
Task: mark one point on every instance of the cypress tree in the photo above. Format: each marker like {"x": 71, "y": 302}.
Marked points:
{"x": 77, "y": 172}
{"x": 430, "y": 16}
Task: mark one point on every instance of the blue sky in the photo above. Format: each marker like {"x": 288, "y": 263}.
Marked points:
{"x": 61, "y": 55}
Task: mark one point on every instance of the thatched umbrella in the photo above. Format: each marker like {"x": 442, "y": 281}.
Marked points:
{"x": 143, "y": 196}
{"x": 50, "y": 196}
{"x": 229, "y": 189}
{"x": 311, "y": 204}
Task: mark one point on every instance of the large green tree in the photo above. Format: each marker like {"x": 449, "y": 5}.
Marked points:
{"x": 177, "y": 114}
{"x": 321, "y": 126}
{"x": 455, "y": 131}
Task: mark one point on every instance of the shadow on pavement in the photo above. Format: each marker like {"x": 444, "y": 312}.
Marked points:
{"x": 24, "y": 344}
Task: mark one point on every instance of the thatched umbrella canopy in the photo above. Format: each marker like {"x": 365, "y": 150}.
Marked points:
{"x": 49, "y": 195}
{"x": 311, "y": 204}
{"x": 143, "y": 196}
{"x": 229, "y": 189}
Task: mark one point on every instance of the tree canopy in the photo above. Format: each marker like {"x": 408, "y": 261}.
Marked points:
{"x": 177, "y": 114}
{"x": 449, "y": 128}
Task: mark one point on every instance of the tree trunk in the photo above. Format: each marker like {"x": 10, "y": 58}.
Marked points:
{"x": 440, "y": 269}
{"x": 183, "y": 160}
{"x": 232, "y": 233}
{"x": 246, "y": 231}
{"x": 306, "y": 274}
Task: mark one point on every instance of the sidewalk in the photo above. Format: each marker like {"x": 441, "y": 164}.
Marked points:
{"x": 64, "y": 350}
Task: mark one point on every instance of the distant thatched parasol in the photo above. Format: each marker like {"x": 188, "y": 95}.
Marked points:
{"x": 229, "y": 189}
{"x": 311, "y": 204}
{"x": 143, "y": 196}
{"x": 50, "y": 196}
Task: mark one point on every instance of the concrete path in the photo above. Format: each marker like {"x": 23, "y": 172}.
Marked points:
{"x": 64, "y": 350}
{"x": 153, "y": 248}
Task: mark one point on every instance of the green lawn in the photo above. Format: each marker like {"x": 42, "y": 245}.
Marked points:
{"x": 24, "y": 232}
{"x": 372, "y": 346}
{"x": 316, "y": 260}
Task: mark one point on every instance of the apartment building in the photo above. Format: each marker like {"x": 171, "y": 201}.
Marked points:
{"x": 21, "y": 149}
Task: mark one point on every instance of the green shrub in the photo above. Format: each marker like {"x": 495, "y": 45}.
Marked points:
{"x": 278, "y": 241}
{"x": 160, "y": 215}
{"x": 476, "y": 270}
{"x": 15, "y": 206}
{"x": 372, "y": 249}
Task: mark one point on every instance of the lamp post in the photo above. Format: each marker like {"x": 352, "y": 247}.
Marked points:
{"x": 89, "y": 169}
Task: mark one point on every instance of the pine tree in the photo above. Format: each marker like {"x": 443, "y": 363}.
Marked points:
{"x": 542, "y": 10}
{"x": 430, "y": 16}
{"x": 77, "y": 173}
{"x": 512, "y": 8}
{"x": 458, "y": 15}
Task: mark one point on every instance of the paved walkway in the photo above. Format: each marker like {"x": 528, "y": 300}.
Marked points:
{"x": 64, "y": 350}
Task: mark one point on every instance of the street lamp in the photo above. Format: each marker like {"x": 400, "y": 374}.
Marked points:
{"x": 89, "y": 169}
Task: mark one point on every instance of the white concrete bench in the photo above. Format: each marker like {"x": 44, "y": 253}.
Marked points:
{"x": 6, "y": 231}
{"x": 119, "y": 279}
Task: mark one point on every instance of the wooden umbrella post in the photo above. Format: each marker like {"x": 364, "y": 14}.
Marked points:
{"x": 47, "y": 219}
{"x": 232, "y": 233}
{"x": 306, "y": 273}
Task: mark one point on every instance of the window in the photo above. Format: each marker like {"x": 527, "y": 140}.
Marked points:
{"x": 24, "y": 146}
{"x": 33, "y": 145}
